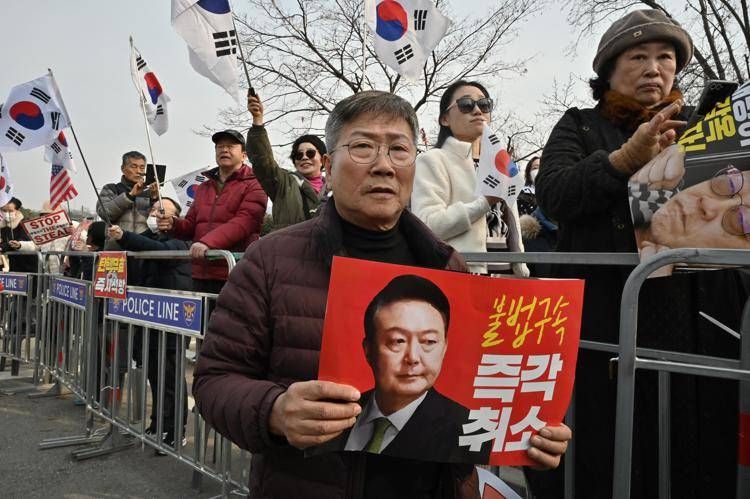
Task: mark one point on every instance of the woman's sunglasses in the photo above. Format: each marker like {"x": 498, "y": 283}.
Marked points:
{"x": 310, "y": 153}
{"x": 466, "y": 105}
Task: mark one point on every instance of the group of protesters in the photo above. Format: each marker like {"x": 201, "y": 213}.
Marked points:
{"x": 364, "y": 192}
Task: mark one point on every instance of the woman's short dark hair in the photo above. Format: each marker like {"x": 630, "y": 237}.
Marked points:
{"x": 446, "y": 100}
{"x": 316, "y": 141}
{"x": 527, "y": 175}
{"x": 600, "y": 84}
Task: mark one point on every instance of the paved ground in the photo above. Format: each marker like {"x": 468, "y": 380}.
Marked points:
{"x": 26, "y": 472}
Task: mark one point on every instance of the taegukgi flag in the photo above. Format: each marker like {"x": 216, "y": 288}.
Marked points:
{"x": 207, "y": 27}
{"x": 58, "y": 153}
{"x": 186, "y": 185}
{"x": 152, "y": 94}
{"x": 6, "y": 187}
{"x": 406, "y": 32}
{"x": 498, "y": 175}
{"x": 31, "y": 116}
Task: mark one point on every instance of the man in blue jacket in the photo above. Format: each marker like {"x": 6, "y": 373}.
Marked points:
{"x": 173, "y": 274}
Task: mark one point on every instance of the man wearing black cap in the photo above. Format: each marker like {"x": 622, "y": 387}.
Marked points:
{"x": 227, "y": 212}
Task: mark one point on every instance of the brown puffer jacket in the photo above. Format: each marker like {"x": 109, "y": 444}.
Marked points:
{"x": 265, "y": 334}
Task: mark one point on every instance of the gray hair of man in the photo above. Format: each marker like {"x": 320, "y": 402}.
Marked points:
{"x": 131, "y": 155}
{"x": 371, "y": 102}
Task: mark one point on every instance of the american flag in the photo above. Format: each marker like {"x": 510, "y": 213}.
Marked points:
{"x": 61, "y": 186}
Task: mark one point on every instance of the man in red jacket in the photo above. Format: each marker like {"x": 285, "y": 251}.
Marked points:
{"x": 227, "y": 212}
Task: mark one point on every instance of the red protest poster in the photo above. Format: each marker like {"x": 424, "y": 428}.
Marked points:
{"x": 111, "y": 275}
{"x": 452, "y": 367}
{"x": 47, "y": 228}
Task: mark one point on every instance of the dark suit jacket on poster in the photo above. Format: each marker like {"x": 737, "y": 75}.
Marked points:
{"x": 431, "y": 434}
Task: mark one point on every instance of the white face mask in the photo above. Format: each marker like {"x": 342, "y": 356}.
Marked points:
{"x": 7, "y": 216}
{"x": 533, "y": 175}
{"x": 153, "y": 225}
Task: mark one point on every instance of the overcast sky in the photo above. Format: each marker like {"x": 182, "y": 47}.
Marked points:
{"x": 85, "y": 42}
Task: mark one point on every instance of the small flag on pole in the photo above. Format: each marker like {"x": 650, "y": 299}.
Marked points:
{"x": 497, "y": 175}
{"x": 31, "y": 116}
{"x": 154, "y": 98}
{"x": 61, "y": 186}
{"x": 406, "y": 32}
{"x": 186, "y": 185}
{"x": 58, "y": 153}
{"x": 6, "y": 186}
{"x": 207, "y": 28}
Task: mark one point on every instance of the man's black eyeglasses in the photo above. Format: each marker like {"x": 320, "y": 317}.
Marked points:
{"x": 466, "y": 104}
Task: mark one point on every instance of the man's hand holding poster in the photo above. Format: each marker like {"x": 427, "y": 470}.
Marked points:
{"x": 452, "y": 367}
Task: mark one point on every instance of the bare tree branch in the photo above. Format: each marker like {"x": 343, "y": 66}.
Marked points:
{"x": 306, "y": 55}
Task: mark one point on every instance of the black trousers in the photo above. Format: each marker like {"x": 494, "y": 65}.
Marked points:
{"x": 174, "y": 356}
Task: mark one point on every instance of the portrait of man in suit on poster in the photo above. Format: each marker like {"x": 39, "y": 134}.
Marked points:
{"x": 405, "y": 341}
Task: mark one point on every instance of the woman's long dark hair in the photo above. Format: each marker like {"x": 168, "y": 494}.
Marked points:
{"x": 446, "y": 100}
{"x": 527, "y": 175}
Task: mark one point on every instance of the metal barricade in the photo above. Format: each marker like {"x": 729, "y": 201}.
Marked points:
{"x": 128, "y": 345}
{"x": 666, "y": 362}
{"x": 19, "y": 317}
{"x": 15, "y": 323}
{"x": 87, "y": 345}
{"x": 631, "y": 357}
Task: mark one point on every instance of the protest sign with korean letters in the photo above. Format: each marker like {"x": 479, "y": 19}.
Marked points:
{"x": 452, "y": 367}
{"x": 111, "y": 276}
{"x": 47, "y": 228}
{"x": 694, "y": 194}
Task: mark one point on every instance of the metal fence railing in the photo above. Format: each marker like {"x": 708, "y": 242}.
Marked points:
{"x": 108, "y": 353}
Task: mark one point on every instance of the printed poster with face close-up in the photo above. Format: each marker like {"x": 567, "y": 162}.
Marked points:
{"x": 698, "y": 197}
{"x": 451, "y": 367}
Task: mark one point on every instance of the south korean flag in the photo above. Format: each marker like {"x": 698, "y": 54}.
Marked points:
{"x": 152, "y": 95}
{"x": 6, "y": 187}
{"x": 497, "y": 174}
{"x": 207, "y": 28}
{"x": 406, "y": 32}
{"x": 31, "y": 116}
{"x": 58, "y": 153}
{"x": 186, "y": 186}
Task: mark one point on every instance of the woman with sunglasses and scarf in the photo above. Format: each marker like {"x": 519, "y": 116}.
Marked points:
{"x": 297, "y": 195}
{"x": 583, "y": 185}
{"x": 444, "y": 195}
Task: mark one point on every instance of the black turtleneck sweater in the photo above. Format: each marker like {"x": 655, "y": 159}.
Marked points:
{"x": 388, "y": 246}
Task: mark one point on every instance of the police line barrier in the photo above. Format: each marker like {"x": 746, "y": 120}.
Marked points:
{"x": 98, "y": 339}
{"x": 19, "y": 315}
{"x": 107, "y": 352}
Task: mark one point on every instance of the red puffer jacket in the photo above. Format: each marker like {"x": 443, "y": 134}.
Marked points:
{"x": 229, "y": 220}
{"x": 265, "y": 334}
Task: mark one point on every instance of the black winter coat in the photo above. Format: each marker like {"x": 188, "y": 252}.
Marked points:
{"x": 163, "y": 274}
{"x": 579, "y": 188}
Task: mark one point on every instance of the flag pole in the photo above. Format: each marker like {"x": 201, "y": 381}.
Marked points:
{"x": 58, "y": 95}
{"x": 142, "y": 99}
{"x": 364, "y": 44}
{"x": 250, "y": 88}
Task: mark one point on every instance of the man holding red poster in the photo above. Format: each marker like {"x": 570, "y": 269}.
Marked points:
{"x": 256, "y": 379}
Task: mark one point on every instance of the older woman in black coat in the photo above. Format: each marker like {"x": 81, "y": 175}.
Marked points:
{"x": 582, "y": 184}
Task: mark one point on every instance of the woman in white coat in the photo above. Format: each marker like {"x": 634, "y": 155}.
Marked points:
{"x": 444, "y": 195}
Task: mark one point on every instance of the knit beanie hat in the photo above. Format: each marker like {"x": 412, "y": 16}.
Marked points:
{"x": 642, "y": 26}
